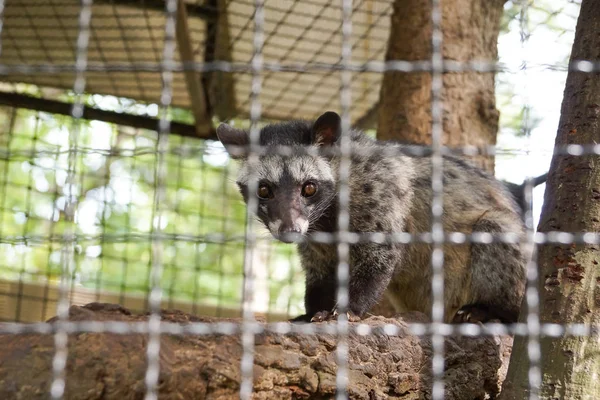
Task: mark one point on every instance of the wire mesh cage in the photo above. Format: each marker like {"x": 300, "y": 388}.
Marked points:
{"x": 115, "y": 189}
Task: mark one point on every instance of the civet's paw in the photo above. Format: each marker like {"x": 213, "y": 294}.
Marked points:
{"x": 473, "y": 314}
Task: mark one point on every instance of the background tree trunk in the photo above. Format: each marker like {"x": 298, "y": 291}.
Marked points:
{"x": 569, "y": 274}
{"x": 471, "y": 29}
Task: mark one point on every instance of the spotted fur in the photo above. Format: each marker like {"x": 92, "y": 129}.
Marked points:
{"x": 389, "y": 194}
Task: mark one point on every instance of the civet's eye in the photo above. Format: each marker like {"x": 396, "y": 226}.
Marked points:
{"x": 264, "y": 192}
{"x": 309, "y": 189}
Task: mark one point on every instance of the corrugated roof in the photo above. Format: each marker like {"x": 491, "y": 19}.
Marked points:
{"x": 126, "y": 44}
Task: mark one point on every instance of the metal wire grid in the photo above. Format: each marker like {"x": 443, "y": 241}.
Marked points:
{"x": 531, "y": 292}
{"x": 120, "y": 244}
{"x": 62, "y": 310}
{"x": 437, "y": 201}
{"x": 247, "y": 362}
{"x": 153, "y": 351}
{"x": 438, "y": 330}
{"x": 343, "y": 247}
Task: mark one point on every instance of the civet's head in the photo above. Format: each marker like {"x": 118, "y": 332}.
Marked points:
{"x": 296, "y": 189}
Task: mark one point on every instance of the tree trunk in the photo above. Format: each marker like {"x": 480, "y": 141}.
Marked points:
{"x": 569, "y": 274}
{"x": 286, "y": 366}
{"x": 470, "y": 29}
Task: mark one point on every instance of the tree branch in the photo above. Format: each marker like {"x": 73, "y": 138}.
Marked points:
{"x": 104, "y": 365}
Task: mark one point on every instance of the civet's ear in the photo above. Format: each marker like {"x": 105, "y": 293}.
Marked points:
{"x": 327, "y": 129}
{"x": 233, "y": 139}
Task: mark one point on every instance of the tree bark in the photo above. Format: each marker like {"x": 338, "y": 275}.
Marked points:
{"x": 112, "y": 366}
{"x": 569, "y": 283}
{"x": 470, "y": 29}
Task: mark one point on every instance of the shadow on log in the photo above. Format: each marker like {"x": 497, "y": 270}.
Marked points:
{"x": 112, "y": 366}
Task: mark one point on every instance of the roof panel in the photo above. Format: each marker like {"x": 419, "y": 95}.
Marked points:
{"x": 127, "y": 34}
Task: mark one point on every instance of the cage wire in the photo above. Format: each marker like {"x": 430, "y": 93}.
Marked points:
{"x": 116, "y": 216}
{"x": 531, "y": 291}
{"x": 437, "y": 201}
{"x": 59, "y": 361}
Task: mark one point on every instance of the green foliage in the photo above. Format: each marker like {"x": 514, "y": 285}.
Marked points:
{"x": 203, "y": 217}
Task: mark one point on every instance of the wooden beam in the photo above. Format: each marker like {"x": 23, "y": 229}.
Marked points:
{"x": 210, "y": 50}
{"x": 219, "y": 85}
{"x": 36, "y": 302}
{"x": 195, "y": 88}
{"x": 90, "y": 113}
